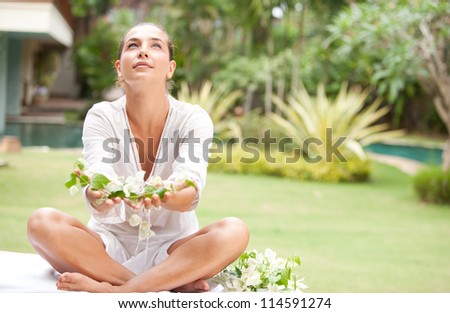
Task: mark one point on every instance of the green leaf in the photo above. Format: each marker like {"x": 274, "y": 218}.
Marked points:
{"x": 84, "y": 180}
{"x": 190, "y": 183}
{"x": 72, "y": 181}
{"x": 160, "y": 192}
{"x": 117, "y": 193}
{"x": 99, "y": 181}
{"x": 295, "y": 259}
{"x": 134, "y": 197}
{"x": 238, "y": 271}
{"x": 80, "y": 164}
{"x": 149, "y": 190}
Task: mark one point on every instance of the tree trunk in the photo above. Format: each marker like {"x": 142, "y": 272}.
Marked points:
{"x": 446, "y": 156}
{"x": 269, "y": 77}
{"x": 438, "y": 83}
{"x": 297, "y": 51}
{"x": 249, "y": 98}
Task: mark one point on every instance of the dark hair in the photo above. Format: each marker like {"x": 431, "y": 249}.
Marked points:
{"x": 169, "y": 43}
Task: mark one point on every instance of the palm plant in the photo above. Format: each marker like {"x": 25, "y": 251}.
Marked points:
{"x": 350, "y": 121}
{"x": 217, "y": 102}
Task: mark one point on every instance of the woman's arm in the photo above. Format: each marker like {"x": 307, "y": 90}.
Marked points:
{"x": 98, "y": 131}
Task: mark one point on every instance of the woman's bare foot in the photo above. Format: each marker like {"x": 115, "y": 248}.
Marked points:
{"x": 197, "y": 286}
{"x": 80, "y": 282}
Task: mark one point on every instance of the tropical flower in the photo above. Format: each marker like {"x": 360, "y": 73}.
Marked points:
{"x": 133, "y": 188}
{"x": 255, "y": 271}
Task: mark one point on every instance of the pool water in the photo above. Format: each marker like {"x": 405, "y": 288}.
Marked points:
{"x": 53, "y": 136}
{"x": 432, "y": 156}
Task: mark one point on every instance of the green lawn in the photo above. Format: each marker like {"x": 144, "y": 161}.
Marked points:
{"x": 372, "y": 237}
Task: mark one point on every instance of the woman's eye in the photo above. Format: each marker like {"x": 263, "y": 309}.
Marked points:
{"x": 132, "y": 45}
{"x": 156, "y": 45}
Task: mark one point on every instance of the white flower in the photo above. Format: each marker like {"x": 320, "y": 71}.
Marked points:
{"x": 156, "y": 181}
{"x": 115, "y": 184}
{"x": 299, "y": 285}
{"x": 274, "y": 287}
{"x": 134, "y": 184}
{"x": 270, "y": 254}
{"x": 135, "y": 220}
{"x": 145, "y": 230}
{"x": 256, "y": 271}
{"x": 251, "y": 276}
{"x": 73, "y": 190}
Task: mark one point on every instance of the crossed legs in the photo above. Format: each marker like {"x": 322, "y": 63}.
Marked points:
{"x": 77, "y": 252}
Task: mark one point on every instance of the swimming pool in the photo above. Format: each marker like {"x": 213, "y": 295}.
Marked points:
{"x": 432, "y": 156}
{"x": 51, "y": 135}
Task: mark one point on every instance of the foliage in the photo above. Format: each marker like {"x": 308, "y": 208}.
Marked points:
{"x": 369, "y": 45}
{"x": 344, "y": 123}
{"x": 96, "y": 53}
{"x": 255, "y": 160}
{"x": 255, "y": 271}
{"x": 368, "y": 42}
{"x": 217, "y": 102}
{"x": 433, "y": 185}
{"x": 94, "y": 7}
{"x": 46, "y": 68}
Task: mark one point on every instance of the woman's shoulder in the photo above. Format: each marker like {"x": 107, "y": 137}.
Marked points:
{"x": 108, "y": 107}
{"x": 185, "y": 108}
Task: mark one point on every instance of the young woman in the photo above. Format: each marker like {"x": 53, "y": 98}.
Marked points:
{"x": 145, "y": 130}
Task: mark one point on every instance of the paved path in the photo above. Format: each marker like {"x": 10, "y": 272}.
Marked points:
{"x": 51, "y": 112}
{"x": 408, "y": 166}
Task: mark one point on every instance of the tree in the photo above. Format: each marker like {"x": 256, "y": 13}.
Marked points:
{"x": 395, "y": 46}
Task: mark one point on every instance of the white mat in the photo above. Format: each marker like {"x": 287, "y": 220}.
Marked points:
{"x": 26, "y": 272}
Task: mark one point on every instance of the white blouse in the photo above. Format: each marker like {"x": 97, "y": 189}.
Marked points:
{"x": 183, "y": 152}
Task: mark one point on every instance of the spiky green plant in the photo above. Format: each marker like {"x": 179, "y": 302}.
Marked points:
{"x": 217, "y": 102}
{"x": 349, "y": 119}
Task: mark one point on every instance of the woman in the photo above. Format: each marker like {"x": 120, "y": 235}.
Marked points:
{"x": 144, "y": 130}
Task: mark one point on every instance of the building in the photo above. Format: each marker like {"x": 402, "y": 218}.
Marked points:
{"x": 29, "y": 31}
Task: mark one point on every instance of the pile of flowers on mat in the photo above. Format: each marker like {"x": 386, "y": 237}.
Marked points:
{"x": 255, "y": 271}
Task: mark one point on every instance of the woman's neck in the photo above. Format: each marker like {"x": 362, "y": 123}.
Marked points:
{"x": 147, "y": 111}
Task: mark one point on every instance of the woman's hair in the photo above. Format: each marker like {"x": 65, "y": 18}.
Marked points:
{"x": 169, "y": 83}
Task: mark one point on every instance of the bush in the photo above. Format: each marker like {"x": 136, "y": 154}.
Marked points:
{"x": 432, "y": 185}
{"x": 235, "y": 160}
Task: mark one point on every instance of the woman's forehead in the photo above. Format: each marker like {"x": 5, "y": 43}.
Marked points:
{"x": 146, "y": 31}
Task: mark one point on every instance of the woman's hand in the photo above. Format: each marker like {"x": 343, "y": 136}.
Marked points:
{"x": 156, "y": 201}
{"x": 101, "y": 206}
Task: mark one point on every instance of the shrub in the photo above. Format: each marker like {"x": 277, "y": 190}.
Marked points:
{"x": 329, "y": 120}
{"x": 218, "y": 102}
{"x": 432, "y": 185}
{"x": 233, "y": 159}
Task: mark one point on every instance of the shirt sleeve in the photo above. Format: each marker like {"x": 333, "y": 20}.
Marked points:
{"x": 191, "y": 159}
{"x": 98, "y": 142}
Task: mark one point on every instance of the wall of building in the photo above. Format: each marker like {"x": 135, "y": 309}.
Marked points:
{"x": 3, "y": 72}
{"x": 14, "y": 81}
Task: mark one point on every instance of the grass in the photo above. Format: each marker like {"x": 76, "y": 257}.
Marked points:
{"x": 371, "y": 237}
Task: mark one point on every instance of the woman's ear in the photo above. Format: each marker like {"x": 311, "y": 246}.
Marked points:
{"x": 172, "y": 67}
{"x": 117, "y": 66}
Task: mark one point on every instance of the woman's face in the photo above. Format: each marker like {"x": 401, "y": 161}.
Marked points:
{"x": 145, "y": 57}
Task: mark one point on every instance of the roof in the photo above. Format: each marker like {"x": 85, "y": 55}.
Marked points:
{"x": 36, "y": 20}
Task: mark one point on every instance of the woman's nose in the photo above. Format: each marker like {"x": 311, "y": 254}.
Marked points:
{"x": 143, "y": 53}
